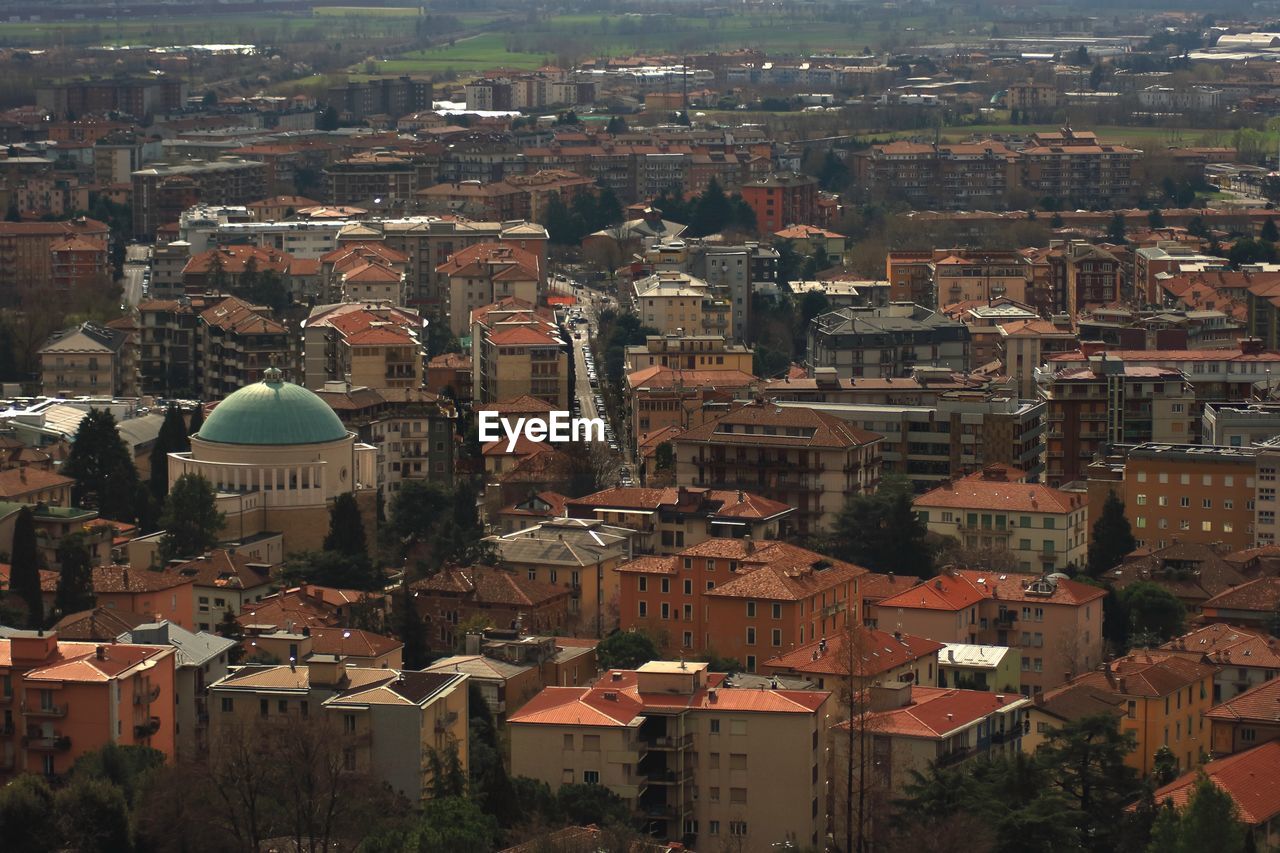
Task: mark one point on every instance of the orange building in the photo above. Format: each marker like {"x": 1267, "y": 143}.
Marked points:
{"x": 781, "y": 200}
{"x": 60, "y": 700}
{"x": 1190, "y": 493}
{"x": 158, "y": 594}
{"x": 739, "y": 599}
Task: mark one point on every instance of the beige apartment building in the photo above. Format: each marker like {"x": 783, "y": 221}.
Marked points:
{"x": 1055, "y": 623}
{"x": 89, "y": 360}
{"x": 388, "y": 722}
{"x": 518, "y": 350}
{"x": 366, "y": 344}
{"x": 689, "y": 352}
{"x": 1044, "y": 528}
{"x": 487, "y": 273}
{"x": 679, "y": 303}
{"x": 697, "y": 759}
{"x": 809, "y": 460}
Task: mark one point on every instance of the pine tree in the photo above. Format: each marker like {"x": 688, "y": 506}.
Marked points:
{"x": 191, "y": 519}
{"x": 75, "y": 577}
{"x": 346, "y": 528}
{"x": 196, "y": 421}
{"x": 24, "y": 572}
{"x": 1211, "y": 820}
{"x": 102, "y": 466}
{"x": 1155, "y": 218}
{"x": 1269, "y": 231}
{"x": 608, "y": 208}
{"x": 1112, "y": 538}
{"x": 413, "y": 632}
{"x": 712, "y": 213}
{"x": 1115, "y": 229}
{"x": 171, "y": 439}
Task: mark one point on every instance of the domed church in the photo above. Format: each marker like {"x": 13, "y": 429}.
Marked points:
{"x": 278, "y": 455}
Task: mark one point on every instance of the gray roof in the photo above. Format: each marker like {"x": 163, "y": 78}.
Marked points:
{"x": 565, "y": 541}
{"x": 478, "y": 666}
{"x": 87, "y": 337}
{"x": 193, "y": 649}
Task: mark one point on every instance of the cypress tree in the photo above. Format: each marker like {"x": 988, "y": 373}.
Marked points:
{"x": 24, "y": 572}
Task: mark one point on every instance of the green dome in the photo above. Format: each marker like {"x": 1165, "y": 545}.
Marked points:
{"x": 272, "y": 412}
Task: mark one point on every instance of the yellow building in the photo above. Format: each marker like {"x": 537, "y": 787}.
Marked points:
{"x": 518, "y": 350}
{"x": 1164, "y": 700}
{"x": 487, "y": 273}
{"x": 676, "y": 302}
{"x": 689, "y": 352}
{"x": 702, "y": 762}
{"x": 89, "y": 360}
{"x": 388, "y": 721}
{"x": 971, "y": 666}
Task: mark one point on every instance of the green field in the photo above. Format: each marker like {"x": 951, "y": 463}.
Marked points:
{"x": 258, "y": 29}
{"x": 477, "y": 53}
{"x": 367, "y": 11}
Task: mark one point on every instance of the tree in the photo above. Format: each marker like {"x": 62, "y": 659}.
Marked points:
{"x": 327, "y": 120}
{"x": 1151, "y": 613}
{"x": 1086, "y": 761}
{"x": 1116, "y": 229}
{"x": 712, "y": 212}
{"x": 191, "y": 519}
{"x": 1112, "y": 538}
{"x": 1246, "y": 250}
{"x": 882, "y": 532}
{"x": 1165, "y": 766}
{"x": 450, "y": 825}
{"x": 196, "y": 421}
{"x": 75, "y": 575}
{"x": 332, "y": 568}
{"x": 608, "y": 208}
{"x": 413, "y": 633}
{"x": 93, "y": 817}
{"x": 1270, "y": 233}
{"x": 346, "y": 528}
{"x": 126, "y": 767}
{"x": 664, "y": 457}
{"x": 173, "y": 438}
{"x": 584, "y": 804}
{"x": 1096, "y": 73}
{"x": 1210, "y": 821}
{"x": 616, "y": 125}
{"x": 444, "y": 767}
{"x": 626, "y": 650}
{"x": 102, "y": 466}
{"x": 230, "y": 628}
{"x": 1082, "y": 56}
{"x": 24, "y": 572}
{"x": 1155, "y": 218}
{"x": 28, "y": 823}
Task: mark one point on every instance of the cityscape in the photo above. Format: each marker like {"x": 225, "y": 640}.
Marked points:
{"x": 638, "y": 426}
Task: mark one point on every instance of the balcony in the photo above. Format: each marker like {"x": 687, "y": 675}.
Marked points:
{"x": 670, "y": 743}
{"x": 148, "y": 728}
{"x": 1006, "y": 620}
{"x": 146, "y": 697}
{"x": 57, "y": 743}
{"x": 32, "y": 710}
{"x": 670, "y": 777}
{"x": 955, "y": 756}
{"x": 1002, "y": 737}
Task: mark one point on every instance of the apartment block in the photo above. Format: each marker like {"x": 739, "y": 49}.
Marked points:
{"x": 386, "y": 722}
{"x": 162, "y": 191}
{"x": 1025, "y": 345}
{"x": 694, "y": 757}
{"x": 1078, "y": 169}
{"x": 738, "y": 598}
{"x": 1109, "y": 402}
{"x": 1242, "y": 658}
{"x": 365, "y": 344}
{"x": 518, "y": 350}
{"x": 994, "y": 509}
{"x": 678, "y": 303}
{"x": 1055, "y": 623}
{"x": 953, "y": 175}
{"x": 1239, "y": 424}
{"x": 806, "y": 459}
{"x": 689, "y": 352}
{"x": 89, "y": 360}
{"x": 62, "y": 699}
{"x": 28, "y": 263}
{"x": 782, "y": 199}
{"x": 503, "y": 598}
{"x": 385, "y": 96}
{"x": 662, "y": 397}
{"x": 485, "y": 273}
{"x": 886, "y": 342}
{"x": 1195, "y": 493}
{"x": 371, "y": 176}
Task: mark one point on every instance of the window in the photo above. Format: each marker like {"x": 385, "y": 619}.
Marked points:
{"x": 713, "y": 762}
{"x": 228, "y": 704}
{"x": 713, "y": 826}
{"x": 751, "y": 610}
{"x": 644, "y": 610}
{"x": 591, "y": 777}
{"x": 738, "y": 796}
{"x": 751, "y": 636}
{"x": 283, "y": 706}
{"x": 568, "y": 743}
{"x": 666, "y": 585}
{"x": 715, "y": 725}
{"x": 688, "y": 587}
{"x": 644, "y": 583}
{"x": 737, "y": 827}
{"x": 1206, "y": 503}
{"x": 1132, "y": 710}
{"x": 737, "y": 761}
{"x": 349, "y": 759}
{"x": 1142, "y": 500}
{"x": 264, "y": 707}
{"x": 776, "y": 639}
{"x": 777, "y": 611}
{"x": 349, "y": 723}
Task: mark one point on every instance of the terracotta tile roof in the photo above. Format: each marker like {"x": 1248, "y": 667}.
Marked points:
{"x": 934, "y": 712}
{"x": 1078, "y": 700}
{"x": 945, "y": 592}
{"x": 1257, "y": 704}
{"x": 617, "y": 701}
{"x": 109, "y": 579}
{"x": 874, "y": 651}
{"x": 554, "y": 505}
{"x": 1149, "y": 674}
{"x": 101, "y": 624}
{"x": 22, "y": 481}
{"x": 1227, "y": 645}
{"x": 1259, "y": 596}
{"x": 522, "y": 405}
{"x": 961, "y": 588}
{"x": 1193, "y": 571}
{"x": 1251, "y": 778}
{"x": 489, "y": 585}
{"x": 817, "y": 429}
{"x": 658, "y": 376}
{"x": 979, "y": 491}
{"x": 351, "y": 641}
{"x": 875, "y": 587}
{"x": 79, "y": 662}
{"x": 382, "y": 336}
{"x": 522, "y": 335}
{"x": 524, "y": 446}
{"x": 236, "y": 315}
{"x": 223, "y": 569}
{"x": 255, "y": 678}
{"x": 696, "y": 501}
{"x": 492, "y": 259}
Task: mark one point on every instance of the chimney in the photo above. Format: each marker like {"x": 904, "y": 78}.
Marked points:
{"x": 101, "y": 652}
{"x": 890, "y": 695}
{"x": 125, "y": 577}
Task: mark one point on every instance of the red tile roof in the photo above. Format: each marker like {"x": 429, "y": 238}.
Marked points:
{"x": 874, "y": 652}
{"x": 1258, "y": 704}
{"x": 1260, "y": 596}
{"x": 1148, "y": 674}
{"x": 980, "y": 491}
{"x": 817, "y": 429}
{"x": 934, "y": 712}
{"x": 958, "y": 589}
{"x": 489, "y": 585}
{"x": 1251, "y": 778}
{"x": 1227, "y": 645}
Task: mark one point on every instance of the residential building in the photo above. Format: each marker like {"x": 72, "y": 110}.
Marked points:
{"x": 1027, "y": 344}
{"x": 1193, "y": 572}
{"x": 964, "y": 176}
{"x": 518, "y": 350}
{"x": 735, "y": 274}
{"x": 1082, "y": 274}
{"x": 413, "y": 430}
{"x": 27, "y": 251}
{"x": 223, "y": 582}
{"x": 656, "y": 735}
{"x": 667, "y": 520}
{"x": 1054, "y": 622}
{"x": 1110, "y": 402}
{"x": 1243, "y": 658}
{"x": 505, "y": 686}
{"x": 89, "y": 360}
{"x": 199, "y": 660}
{"x": 354, "y": 646}
{"x": 535, "y": 509}
{"x": 488, "y": 273}
{"x": 1265, "y": 527}
{"x": 1245, "y": 778}
{"x": 65, "y": 699}
{"x": 968, "y": 666}
{"x": 1166, "y": 697}
{"x": 388, "y": 96}
{"x": 874, "y": 657}
{"x": 577, "y": 554}
{"x": 1059, "y": 707}
{"x": 885, "y": 342}
{"x": 139, "y": 97}
{"x": 1253, "y": 604}
{"x": 782, "y": 199}
{"x": 806, "y": 459}
{"x": 32, "y": 485}
{"x": 504, "y": 598}
{"x": 370, "y": 344}
{"x": 739, "y": 599}
{"x": 1192, "y": 493}
{"x": 678, "y": 303}
{"x": 79, "y": 263}
{"x": 1078, "y": 169}
{"x": 513, "y": 197}
{"x": 364, "y": 272}
{"x": 977, "y": 276}
{"x": 310, "y": 606}
{"x": 915, "y": 727}
{"x": 690, "y": 352}
{"x": 961, "y": 432}
{"x": 994, "y": 509}
{"x": 1166, "y": 257}
{"x": 386, "y": 722}
{"x": 1239, "y": 424}
{"x": 162, "y": 191}
{"x": 674, "y": 397}
{"x": 1245, "y": 720}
